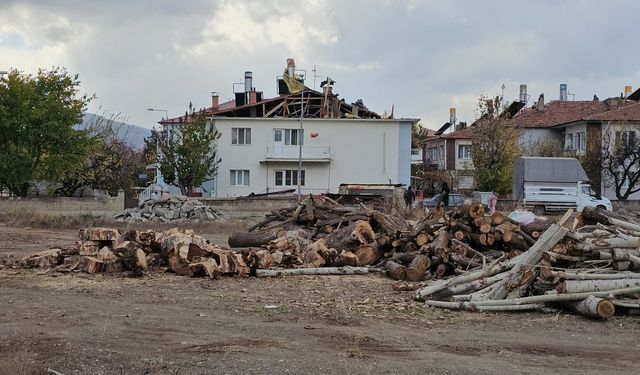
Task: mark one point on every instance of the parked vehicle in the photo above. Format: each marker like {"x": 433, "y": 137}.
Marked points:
{"x": 554, "y": 184}
{"x": 454, "y": 201}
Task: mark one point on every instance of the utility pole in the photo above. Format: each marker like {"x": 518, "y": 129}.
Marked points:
{"x": 300, "y": 138}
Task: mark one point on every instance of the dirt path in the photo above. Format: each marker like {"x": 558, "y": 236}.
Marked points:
{"x": 166, "y": 324}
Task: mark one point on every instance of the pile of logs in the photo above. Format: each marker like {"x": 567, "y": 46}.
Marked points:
{"x": 585, "y": 267}
{"x": 319, "y": 232}
{"x": 169, "y": 209}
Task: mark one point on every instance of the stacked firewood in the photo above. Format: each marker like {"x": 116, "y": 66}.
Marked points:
{"x": 319, "y": 232}
{"x": 584, "y": 267}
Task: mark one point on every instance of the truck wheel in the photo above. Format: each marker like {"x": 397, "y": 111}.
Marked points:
{"x": 539, "y": 210}
{"x": 601, "y": 206}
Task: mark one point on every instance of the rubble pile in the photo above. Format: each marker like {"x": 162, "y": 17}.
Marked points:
{"x": 169, "y": 209}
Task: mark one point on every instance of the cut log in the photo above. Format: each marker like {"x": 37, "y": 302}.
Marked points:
{"x": 592, "y": 307}
{"x": 367, "y": 254}
{"x": 421, "y": 239}
{"x": 579, "y": 286}
{"x": 91, "y": 265}
{"x": 99, "y": 234}
{"x": 362, "y": 232}
{"x": 253, "y": 239}
{"x": 396, "y": 271}
{"x": 346, "y": 258}
{"x": 497, "y": 218}
{"x": 44, "y": 259}
{"x": 418, "y": 268}
{"x": 106, "y": 255}
{"x": 206, "y": 267}
{"x": 476, "y": 210}
{"x": 238, "y": 265}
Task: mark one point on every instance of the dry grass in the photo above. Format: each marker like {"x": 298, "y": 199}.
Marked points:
{"x": 29, "y": 216}
{"x": 21, "y": 362}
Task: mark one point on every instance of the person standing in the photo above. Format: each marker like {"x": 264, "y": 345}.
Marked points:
{"x": 444, "y": 194}
{"x": 493, "y": 201}
{"x": 409, "y": 197}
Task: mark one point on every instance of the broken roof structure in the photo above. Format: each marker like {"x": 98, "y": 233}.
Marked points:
{"x": 294, "y": 97}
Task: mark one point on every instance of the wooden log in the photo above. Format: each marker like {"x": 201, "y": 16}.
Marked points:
{"x": 517, "y": 242}
{"x": 238, "y": 265}
{"x": 99, "y": 234}
{"x": 592, "y": 307}
{"x": 252, "y": 239}
{"x": 545, "y": 298}
{"x": 91, "y": 265}
{"x": 315, "y": 271}
{"x": 418, "y": 268}
{"x": 532, "y": 256}
{"x": 362, "y": 232}
{"x": 422, "y": 238}
{"x": 478, "y": 221}
{"x": 206, "y": 267}
{"x": 470, "y": 287}
{"x": 476, "y": 210}
{"x": 44, "y": 259}
{"x": 579, "y": 286}
{"x": 471, "y": 306}
{"x": 459, "y": 235}
{"x": 485, "y": 228}
{"x": 497, "y": 218}
{"x": 441, "y": 241}
{"x": 346, "y": 258}
{"x": 441, "y": 271}
{"x": 106, "y": 255}
{"x": 367, "y": 254}
{"x": 396, "y": 270}
{"x": 383, "y": 240}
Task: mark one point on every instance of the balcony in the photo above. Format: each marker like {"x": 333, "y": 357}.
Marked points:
{"x": 291, "y": 153}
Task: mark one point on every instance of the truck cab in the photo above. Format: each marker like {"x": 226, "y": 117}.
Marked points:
{"x": 589, "y": 198}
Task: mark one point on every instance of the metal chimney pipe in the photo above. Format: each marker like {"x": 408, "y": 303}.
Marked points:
{"x": 523, "y": 93}
{"x": 563, "y": 92}
{"x": 291, "y": 67}
{"x": 248, "y": 81}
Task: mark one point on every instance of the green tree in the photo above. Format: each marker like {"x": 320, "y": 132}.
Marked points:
{"x": 495, "y": 148}
{"x": 37, "y": 138}
{"x": 187, "y": 153}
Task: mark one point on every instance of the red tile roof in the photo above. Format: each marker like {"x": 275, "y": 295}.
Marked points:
{"x": 209, "y": 111}
{"x": 557, "y": 112}
{"x": 466, "y": 133}
{"x": 627, "y": 112}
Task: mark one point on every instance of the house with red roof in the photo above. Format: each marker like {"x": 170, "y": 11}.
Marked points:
{"x": 578, "y": 127}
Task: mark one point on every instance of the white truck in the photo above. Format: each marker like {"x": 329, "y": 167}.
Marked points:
{"x": 554, "y": 184}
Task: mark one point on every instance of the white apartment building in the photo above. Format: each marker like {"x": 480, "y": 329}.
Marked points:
{"x": 261, "y": 140}
{"x": 261, "y": 155}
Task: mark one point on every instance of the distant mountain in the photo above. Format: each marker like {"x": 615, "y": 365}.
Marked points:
{"x": 132, "y": 134}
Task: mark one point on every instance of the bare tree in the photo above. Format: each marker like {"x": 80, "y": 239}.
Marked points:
{"x": 620, "y": 160}
{"x": 550, "y": 147}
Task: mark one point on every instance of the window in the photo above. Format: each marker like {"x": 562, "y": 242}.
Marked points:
{"x": 239, "y": 177}
{"x": 292, "y": 137}
{"x": 581, "y": 141}
{"x": 289, "y": 177}
{"x": 464, "y": 151}
{"x": 626, "y": 138}
{"x": 568, "y": 144}
{"x": 240, "y": 136}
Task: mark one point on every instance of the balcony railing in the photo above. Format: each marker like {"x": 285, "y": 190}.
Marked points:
{"x": 416, "y": 156}
{"x": 291, "y": 153}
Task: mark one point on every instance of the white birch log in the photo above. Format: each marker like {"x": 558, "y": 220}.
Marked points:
{"x": 474, "y": 307}
{"x": 347, "y": 270}
{"x": 593, "y": 307}
{"x": 568, "y": 275}
{"x": 545, "y": 298}
{"x": 580, "y": 286}
{"x": 471, "y": 286}
{"x": 546, "y": 242}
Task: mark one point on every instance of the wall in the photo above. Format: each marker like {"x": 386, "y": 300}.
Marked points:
{"x": 64, "y": 205}
{"x": 463, "y": 164}
{"x": 362, "y": 151}
{"x": 531, "y": 136}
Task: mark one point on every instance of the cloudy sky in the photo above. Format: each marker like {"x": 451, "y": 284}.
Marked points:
{"x": 421, "y": 56}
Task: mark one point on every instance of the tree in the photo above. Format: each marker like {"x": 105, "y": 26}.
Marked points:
{"x": 621, "y": 160}
{"x": 495, "y": 148}
{"x": 187, "y": 155}
{"x": 549, "y": 147}
{"x": 37, "y": 138}
{"x": 110, "y": 163}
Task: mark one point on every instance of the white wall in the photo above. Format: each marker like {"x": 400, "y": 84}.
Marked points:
{"x": 531, "y": 136}
{"x": 463, "y": 164}
{"x": 362, "y": 151}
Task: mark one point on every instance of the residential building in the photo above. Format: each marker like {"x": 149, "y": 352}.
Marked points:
{"x": 578, "y": 128}
{"x": 263, "y": 140}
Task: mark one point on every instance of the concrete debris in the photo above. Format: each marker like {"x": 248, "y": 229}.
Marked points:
{"x": 169, "y": 209}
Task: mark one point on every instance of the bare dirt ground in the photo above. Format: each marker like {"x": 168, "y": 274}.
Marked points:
{"x": 166, "y": 324}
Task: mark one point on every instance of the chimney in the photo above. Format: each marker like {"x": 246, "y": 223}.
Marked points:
{"x": 215, "y": 100}
{"x": 627, "y": 91}
{"x": 452, "y": 115}
{"x": 563, "y": 92}
{"x": 523, "y": 93}
{"x": 248, "y": 81}
{"x": 253, "y": 97}
{"x": 540, "y": 104}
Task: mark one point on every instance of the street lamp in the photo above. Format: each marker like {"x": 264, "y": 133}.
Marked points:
{"x": 166, "y": 113}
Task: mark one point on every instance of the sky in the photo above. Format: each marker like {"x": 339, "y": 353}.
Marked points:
{"x": 419, "y": 56}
